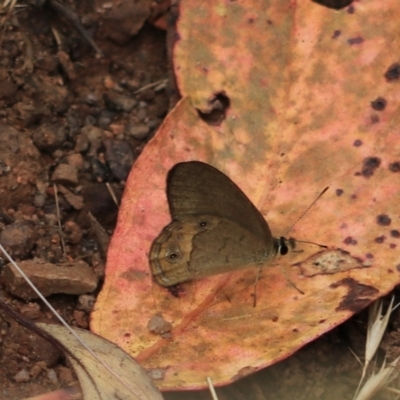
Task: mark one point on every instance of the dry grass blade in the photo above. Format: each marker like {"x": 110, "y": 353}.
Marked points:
{"x": 377, "y": 324}
{"x": 378, "y": 381}
{"x": 212, "y": 389}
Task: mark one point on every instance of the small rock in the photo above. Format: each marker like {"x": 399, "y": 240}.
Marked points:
{"x": 117, "y": 129}
{"x": 22, "y": 376}
{"x": 51, "y": 219}
{"x": 76, "y": 160}
{"x": 154, "y": 123}
{"x": 30, "y": 310}
{"x": 51, "y": 374}
{"x": 142, "y": 114}
{"x": 65, "y": 375}
{"x": 73, "y": 232}
{"x": 105, "y": 118}
{"x": 119, "y": 157}
{"x": 118, "y": 102}
{"x": 18, "y": 238}
{"x": 132, "y": 84}
{"x": 91, "y": 99}
{"x": 65, "y": 174}
{"x": 125, "y": 19}
{"x": 80, "y": 319}
{"x": 39, "y": 200}
{"x": 37, "y": 369}
{"x": 73, "y": 199}
{"x": 69, "y": 278}
{"x": 82, "y": 143}
{"x": 94, "y": 135}
{"x": 85, "y": 302}
{"x": 50, "y": 136}
{"x": 109, "y": 83}
{"x": 138, "y": 132}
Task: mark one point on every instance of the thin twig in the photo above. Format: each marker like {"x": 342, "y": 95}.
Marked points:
{"x": 59, "y": 220}
{"x": 112, "y": 194}
{"x": 150, "y": 85}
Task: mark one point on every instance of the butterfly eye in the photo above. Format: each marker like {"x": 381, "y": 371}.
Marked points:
{"x": 202, "y": 224}
{"x": 173, "y": 253}
{"x": 283, "y": 248}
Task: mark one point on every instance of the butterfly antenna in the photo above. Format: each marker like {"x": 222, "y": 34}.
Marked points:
{"x": 305, "y": 212}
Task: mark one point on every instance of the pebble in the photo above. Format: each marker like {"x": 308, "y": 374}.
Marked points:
{"x": 138, "y": 131}
{"x": 105, "y": 118}
{"x": 22, "y": 376}
{"x": 92, "y": 99}
{"x": 73, "y": 199}
{"x": 39, "y": 200}
{"x": 70, "y": 278}
{"x": 154, "y": 123}
{"x": 50, "y": 136}
{"x": 51, "y": 374}
{"x": 94, "y": 136}
{"x": 18, "y": 238}
{"x": 65, "y": 374}
{"x": 30, "y": 310}
{"x": 82, "y": 143}
{"x": 142, "y": 114}
{"x": 119, "y": 157}
{"x": 80, "y": 319}
{"x": 118, "y": 102}
{"x": 73, "y": 232}
{"x": 65, "y": 174}
{"x": 85, "y": 302}
{"x": 76, "y": 160}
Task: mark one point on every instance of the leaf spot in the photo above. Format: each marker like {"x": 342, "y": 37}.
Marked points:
{"x": 380, "y": 239}
{"x": 374, "y": 119}
{"x": 393, "y": 72}
{"x": 339, "y": 192}
{"x": 370, "y": 165}
{"x": 356, "y": 40}
{"x": 357, "y": 297}
{"x": 379, "y": 104}
{"x": 395, "y": 166}
{"x": 383, "y": 220}
{"x": 394, "y": 233}
{"x": 350, "y": 241}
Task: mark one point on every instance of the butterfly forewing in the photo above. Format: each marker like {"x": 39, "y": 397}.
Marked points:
{"x": 195, "y": 188}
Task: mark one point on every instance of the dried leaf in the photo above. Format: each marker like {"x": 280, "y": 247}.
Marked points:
{"x": 308, "y": 106}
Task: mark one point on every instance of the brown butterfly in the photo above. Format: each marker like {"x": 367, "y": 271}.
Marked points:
{"x": 215, "y": 228}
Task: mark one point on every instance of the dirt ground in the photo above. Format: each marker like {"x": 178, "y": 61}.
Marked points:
{"x": 62, "y": 104}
